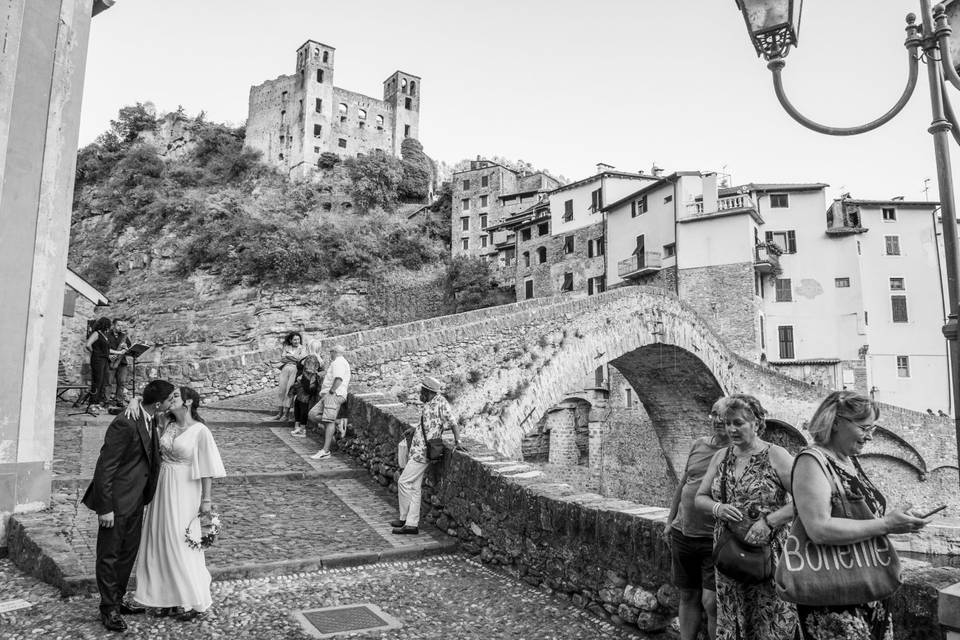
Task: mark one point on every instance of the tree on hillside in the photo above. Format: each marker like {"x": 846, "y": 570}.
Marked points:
{"x": 417, "y": 171}
{"x": 470, "y": 285}
{"x": 131, "y": 120}
{"x": 374, "y": 181}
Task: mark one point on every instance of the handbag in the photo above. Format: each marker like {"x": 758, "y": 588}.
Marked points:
{"x": 403, "y": 451}
{"x": 820, "y": 575}
{"x": 736, "y": 558}
{"x": 434, "y": 446}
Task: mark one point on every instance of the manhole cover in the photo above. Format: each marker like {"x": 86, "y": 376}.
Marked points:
{"x": 333, "y": 621}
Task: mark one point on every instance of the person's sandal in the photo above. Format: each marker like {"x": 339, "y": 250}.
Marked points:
{"x": 187, "y": 616}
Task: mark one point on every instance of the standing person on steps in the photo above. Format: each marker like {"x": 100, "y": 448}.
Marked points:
{"x": 124, "y": 481}
{"x": 333, "y": 393}
{"x": 293, "y": 352}
{"x": 436, "y": 416}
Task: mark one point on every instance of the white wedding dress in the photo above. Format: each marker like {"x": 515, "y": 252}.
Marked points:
{"x": 169, "y": 572}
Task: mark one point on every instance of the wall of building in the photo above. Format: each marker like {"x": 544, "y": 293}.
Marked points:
{"x": 360, "y": 135}
{"x": 723, "y": 296}
{"x": 656, "y": 225}
{"x": 499, "y": 180}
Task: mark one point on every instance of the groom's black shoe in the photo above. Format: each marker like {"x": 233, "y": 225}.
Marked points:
{"x": 396, "y": 524}
{"x": 128, "y": 608}
{"x": 112, "y": 620}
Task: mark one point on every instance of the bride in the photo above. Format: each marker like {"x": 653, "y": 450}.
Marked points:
{"x": 171, "y": 575}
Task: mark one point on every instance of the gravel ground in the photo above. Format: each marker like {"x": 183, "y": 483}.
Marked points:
{"x": 448, "y": 597}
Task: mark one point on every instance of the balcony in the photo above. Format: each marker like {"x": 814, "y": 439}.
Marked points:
{"x": 766, "y": 258}
{"x": 640, "y": 264}
{"x": 725, "y": 205}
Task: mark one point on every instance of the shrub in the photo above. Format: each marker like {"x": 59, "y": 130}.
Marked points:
{"x": 374, "y": 180}
{"x": 470, "y": 285}
{"x": 99, "y": 271}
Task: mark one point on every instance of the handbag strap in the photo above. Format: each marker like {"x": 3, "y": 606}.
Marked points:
{"x": 829, "y": 473}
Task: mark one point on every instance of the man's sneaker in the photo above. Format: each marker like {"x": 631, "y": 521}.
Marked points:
{"x": 320, "y": 455}
{"x": 299, "y": 434}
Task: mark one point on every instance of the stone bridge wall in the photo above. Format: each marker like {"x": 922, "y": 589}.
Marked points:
{"x": 606, "y": 555}
{"x": 507, "y": 366}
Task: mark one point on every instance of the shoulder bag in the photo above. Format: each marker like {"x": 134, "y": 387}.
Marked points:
{"x": 820, "y": 575}
{"x": 733, "y": 556}
{"x": 434, "y": 446}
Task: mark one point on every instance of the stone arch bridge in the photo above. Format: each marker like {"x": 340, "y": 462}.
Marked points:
{"x": 507, "y": 366}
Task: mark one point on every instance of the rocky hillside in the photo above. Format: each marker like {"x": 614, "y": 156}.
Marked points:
{"x": 206, "y": 251}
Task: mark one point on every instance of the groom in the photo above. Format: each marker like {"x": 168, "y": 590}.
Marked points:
{"x": 124, "y": 481}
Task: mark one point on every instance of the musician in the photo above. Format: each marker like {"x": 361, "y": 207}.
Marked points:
{"x": 119, "y": 343}
{"x": 98, "y": 347}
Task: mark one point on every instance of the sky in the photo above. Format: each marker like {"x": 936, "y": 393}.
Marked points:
{"x": 561, "y": 84}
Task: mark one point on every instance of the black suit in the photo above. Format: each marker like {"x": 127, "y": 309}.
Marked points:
{"x": 124, "y": 481}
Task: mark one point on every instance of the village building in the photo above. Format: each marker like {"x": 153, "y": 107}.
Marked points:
{"x": 82, "y": 302}
{"x": 296, "y": 118}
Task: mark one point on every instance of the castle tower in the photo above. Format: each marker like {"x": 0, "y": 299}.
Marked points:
{"x": 402, "y": 91}
{"x": 315, "y": 111}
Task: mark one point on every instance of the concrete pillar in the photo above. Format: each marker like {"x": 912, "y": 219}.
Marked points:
{"x": 562, "y": 423}
{"x": 42, "y": 63}
{"x": 948, "y": 611}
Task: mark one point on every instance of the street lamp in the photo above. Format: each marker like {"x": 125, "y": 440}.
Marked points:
{"x": 773, "y": 27}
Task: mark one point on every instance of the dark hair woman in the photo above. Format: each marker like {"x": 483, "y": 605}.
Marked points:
{"x": 841, "y": 427}
{"x": 98, "y": 346}
{"x": 292, "y": 353}
{"x": 750, "y": 481}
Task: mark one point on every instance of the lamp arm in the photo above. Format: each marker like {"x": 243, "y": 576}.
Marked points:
{"x": 776, "y": 67}
{"x": 949, "y": 113}
{"x": 946, "y": 61}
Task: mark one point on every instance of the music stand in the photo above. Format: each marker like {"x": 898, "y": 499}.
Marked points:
{"x": 135, "y": 351}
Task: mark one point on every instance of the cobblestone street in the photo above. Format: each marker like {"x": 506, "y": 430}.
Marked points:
{"x": 298, "y": 534}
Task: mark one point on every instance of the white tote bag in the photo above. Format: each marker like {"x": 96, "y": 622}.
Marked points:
{"x": 403, "y": 450}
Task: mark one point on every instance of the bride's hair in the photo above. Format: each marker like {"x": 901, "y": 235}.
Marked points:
{"x": 189, "y": 393}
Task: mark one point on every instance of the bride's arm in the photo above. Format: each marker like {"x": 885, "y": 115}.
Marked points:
{"x": 132, "y": 412}
{"x": 206, "y": 485}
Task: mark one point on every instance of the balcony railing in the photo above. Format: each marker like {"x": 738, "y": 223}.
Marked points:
{"x": 639, "y": 264}
{"x": 766, "y": 259}
{"x": 739, "y": 201}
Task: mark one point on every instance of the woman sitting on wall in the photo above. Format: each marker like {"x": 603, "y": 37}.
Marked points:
{"x": 293, "y": 352}
{"x": 747, "y": 490}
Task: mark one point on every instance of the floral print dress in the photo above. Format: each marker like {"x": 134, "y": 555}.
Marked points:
{"x": 752, "y": 611}
{"x": 868, "y": 621}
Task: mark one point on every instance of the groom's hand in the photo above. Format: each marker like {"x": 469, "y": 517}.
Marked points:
{"x": 106, "y": 520}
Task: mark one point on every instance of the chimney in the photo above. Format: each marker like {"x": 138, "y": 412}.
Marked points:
{"x": 655, "y": 170}
{"x": 602, "y": 166}
{"x": 710, "y": 196}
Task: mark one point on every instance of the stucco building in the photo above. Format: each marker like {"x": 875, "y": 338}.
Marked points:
{"x": 294, "y": 119}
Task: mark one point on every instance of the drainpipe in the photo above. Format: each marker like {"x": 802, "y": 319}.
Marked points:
{"x": 676, "y": 240}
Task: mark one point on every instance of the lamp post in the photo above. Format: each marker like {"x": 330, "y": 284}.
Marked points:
{"x": 774, "y": 27}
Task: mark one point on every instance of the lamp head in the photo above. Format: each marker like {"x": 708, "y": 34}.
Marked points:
{"x": 773, "y": 25}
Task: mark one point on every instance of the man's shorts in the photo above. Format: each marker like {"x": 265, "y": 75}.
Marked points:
{"x": 692, "y": 562}
{"x": 327, "y": 409}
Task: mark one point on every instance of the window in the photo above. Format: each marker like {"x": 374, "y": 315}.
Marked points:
{"x": 318, "y": 107}
{"x": 541, "y": 255}
{"x": 567, "y": 283}
{"x": 466, "y": 185}
{"x": 413, "y": 87}
{"x": 283, "y": 96}
{"x": 282, "y": 138}
{"x": 319, "y": 75}
{"x": 326, "y": 56}
{"x": 525, "y": 235}
{"x": 628, "y": 397}
{"x": 465, "y": 204}
{"x": 841, "y": 283}
{"x": 483, "y": 221}
{"x": 281, "y": 156}
{"x": 543, "y": 228}
{"x": 568, "y": 244}
{"x": 379, "y": 122}
{"x": 889, "y": 214}
{"x": 361, "y": 114}
{"x": 598, "y": 376}
{"x": 342, "y": 110}
{"x": 779, "y": 201}
{"x": 903, "y": 366}
{"x": 589, "y": 286}
{"x": 897, "y": 284}
{"x": 899, "y": 307}
{"x": 528, "y": 289}
{"x": 465, "y": 244}
{"x": 406, "y": 131}
{"x": 763, "y": 337}
{"x": 892, "y": 245}
{"x": 667, "y": 199}
{"x": 784, "y": 293}
{"x": 465, "y": 223}
{"x": 408, "y": 103}
{"x": 638, "y": 207}
{"x": 526, "y": 258}
{"x": 484, "y": 181}
{"x": 785, "y": 334}
{"x": 483, "y": 201}
{"x": 342, "y": 143}
{"x": 568, "y": 211}
{"x": 670, "y": 250}
{"x": 317, "y": 131}
{"x": 596, "y": 199}
{"x": 316, "y": 149}
{"x": 483, "y": 242}
{"x": 786, "y": 240}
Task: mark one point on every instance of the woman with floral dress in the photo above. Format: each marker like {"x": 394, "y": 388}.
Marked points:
{"x": 750, "y": 479}
{"x": 841, "y": 426}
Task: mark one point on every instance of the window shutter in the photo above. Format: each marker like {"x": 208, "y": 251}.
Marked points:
{"x": 768, "y": 236}
{"x": 791, "y": 241}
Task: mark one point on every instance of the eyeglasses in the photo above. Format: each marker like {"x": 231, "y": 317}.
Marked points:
{"x": 866, "y": 430}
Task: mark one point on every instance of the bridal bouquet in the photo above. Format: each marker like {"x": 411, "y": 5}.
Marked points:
{"x": 206, "y": 532}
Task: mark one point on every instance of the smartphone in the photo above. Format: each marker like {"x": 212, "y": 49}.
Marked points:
{"x": 937, "y": 510}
